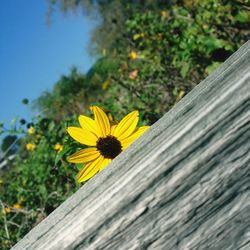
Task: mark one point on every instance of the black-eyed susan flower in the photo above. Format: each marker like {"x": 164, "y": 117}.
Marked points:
{"x": 30, "y": 146}
{"x": 106, "y": 141}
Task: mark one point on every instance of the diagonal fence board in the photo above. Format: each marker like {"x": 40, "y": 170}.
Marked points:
{"x": 185, "y": 184}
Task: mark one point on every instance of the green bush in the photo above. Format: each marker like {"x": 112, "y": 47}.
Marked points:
{"x": 39, "y": 180}
{"x": 176, "y": 49}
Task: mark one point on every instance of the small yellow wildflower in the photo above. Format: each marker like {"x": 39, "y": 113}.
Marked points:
{"x": 17, "y": 205}
{"x": 31, "y": 130}
{"x": 106, "y": 141}
{"x": 105, "y": 84}
{"x": 58, "y": 147}
{"x": 6, "y": 210}
{"x": 137, "y": 36}
{"x": 30, "y": 146}
{"x": 133, "y": 55}
{"x": 133, "y": 74}
{"x": 164, "y": 14}
{"x": 181, "y": 94}
{"x": 1, "y": 181}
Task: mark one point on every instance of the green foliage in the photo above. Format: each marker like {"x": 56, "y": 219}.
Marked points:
{"x": 150, "y": 55}
{"x": 69, "y": 95}
{"x": 73, "y": 93}
{"x": 176, "y": 48}
{"x": 40, "y": 180}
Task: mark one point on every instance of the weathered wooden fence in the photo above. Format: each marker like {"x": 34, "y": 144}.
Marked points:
{"x": 185, "y": 184}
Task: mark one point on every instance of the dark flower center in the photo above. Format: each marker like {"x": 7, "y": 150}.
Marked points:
{"x": 109, "y": 147}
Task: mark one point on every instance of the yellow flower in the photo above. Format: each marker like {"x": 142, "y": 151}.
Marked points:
{"x": 133, "y": 55}
{"x": 58, "y": 147}
{"x": 1, "y": 181}
{"x": 17, "y": 206}
{"x": 181, "y": 94}
{"x": 164, "y": 14}
{"x": 106, "y": 141}
{"x": 133, "y": 74}
{"x": 6, "y": 210}
{"x": 31, "y": 130}
{"x": 30, "y": 146}
{"x": 105, "y": 84}
{"x": 137, "y": 36}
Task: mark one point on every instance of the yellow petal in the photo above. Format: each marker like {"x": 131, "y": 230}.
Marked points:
{"x": 84, "y": 155}
{"x": 105, "y": 163}
{"x": 83, "y": 136}
{"x": 112, "y": 130}
{"x": 127, "y": 125}
{"x": 102, "y": 121}
{"x": 88, "y": 124}
{"x": 90, "y": 169}
{"x": 138, "y": 132}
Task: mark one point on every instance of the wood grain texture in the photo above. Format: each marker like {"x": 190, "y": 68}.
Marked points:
{"x": 185, "y": 184}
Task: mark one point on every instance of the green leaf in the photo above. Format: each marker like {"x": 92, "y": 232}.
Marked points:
{"x": 43, "y": 191}
{"x": 136, "y": 36}
{"x": 175, "y": 91}
{"x": 212, "y": 67}
{"x": 61, "y": 154}
{"x": 243, "y": 16}
{"x": 79, "y": 166}
{"x": 184, "y": 69}
{"x": 213, "y": 43}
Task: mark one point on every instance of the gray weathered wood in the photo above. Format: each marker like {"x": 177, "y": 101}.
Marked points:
{"x": 185, "y": 184}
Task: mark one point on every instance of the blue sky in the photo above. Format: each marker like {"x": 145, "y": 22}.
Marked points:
{"x": 33, "y": 56}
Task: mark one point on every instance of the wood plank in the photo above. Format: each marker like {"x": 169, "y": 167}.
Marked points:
{"x": 185, "y": 184}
